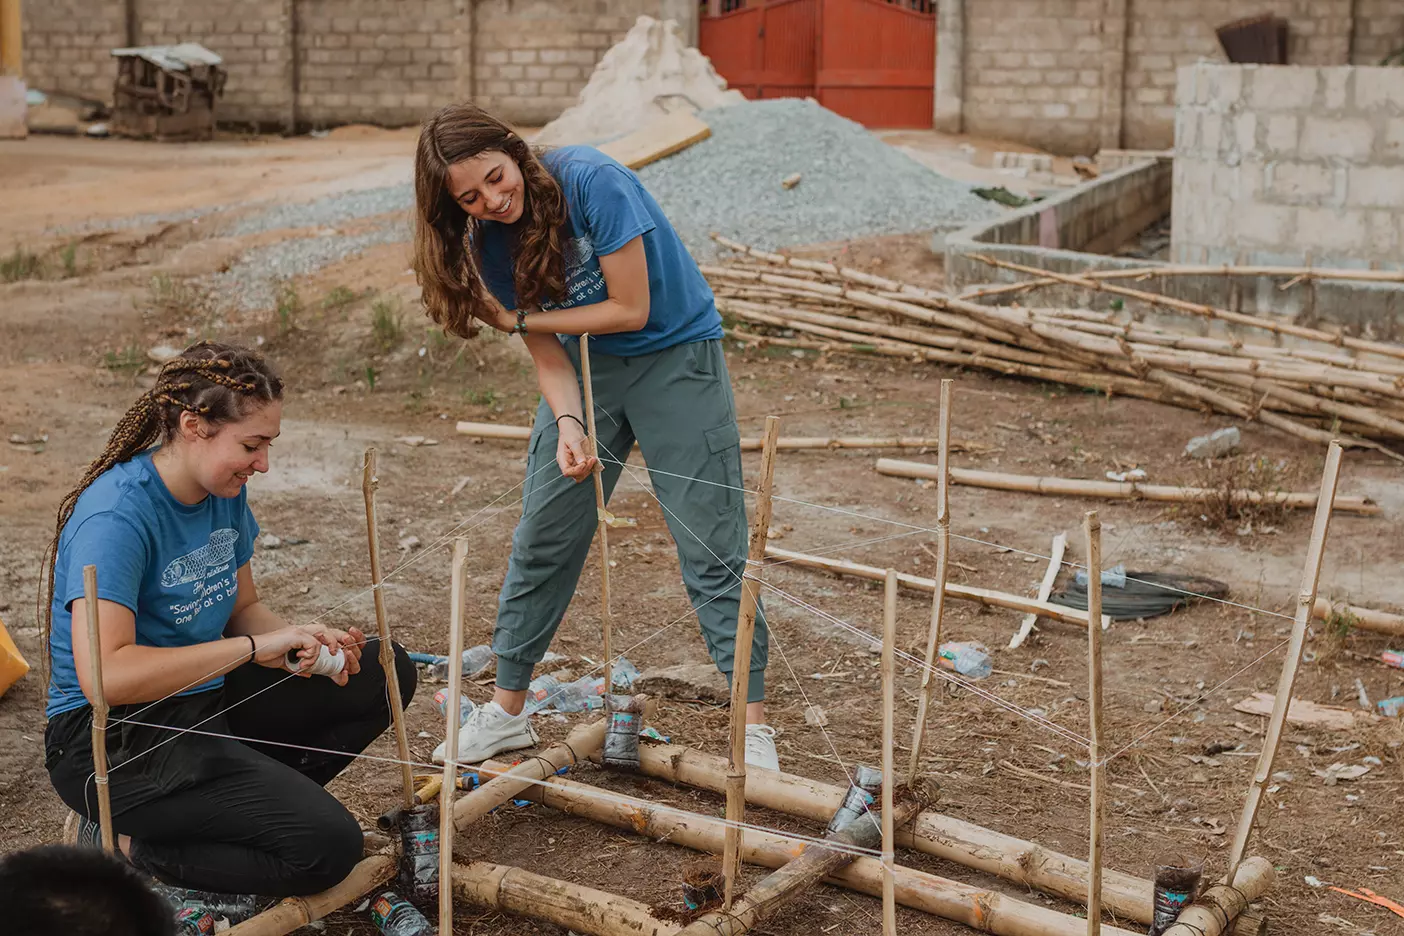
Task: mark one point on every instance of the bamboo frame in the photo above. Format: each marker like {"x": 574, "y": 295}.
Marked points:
{"x": 478, "y": 430}
{"x": 1116, "y": 490}
{"x": 889, "y": 780}
{"x": 582, "y": 741}
{"x": 1217, "y": 908}
{"x": 447, "y": 785}
{"x": 369, "y": 483}
{"x": 938, "y": 590}
{"x": 1306, "y": 601}
{"x": 1092, "y": 530}
{"x": 99, "y": 705}
{"x": 1045, "y": 589}
{"x": 606, "y": 621}
{"x": 741, "y": 664}
{"x": 295, "y": 912}
{"x": 572, "y": 906}
{"x": 985, "y": 596}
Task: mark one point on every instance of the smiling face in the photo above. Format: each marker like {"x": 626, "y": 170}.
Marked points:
{"x": 489, "y": 187}
{"x": 220, "y": 459}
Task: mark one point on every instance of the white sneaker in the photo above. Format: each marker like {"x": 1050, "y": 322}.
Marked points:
{"x": 760, "y": 747}
{"x": 488, "y": 731}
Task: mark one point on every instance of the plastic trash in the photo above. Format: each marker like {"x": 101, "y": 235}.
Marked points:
{"x": 465, "y": 705}
{"x": 1216, "y": 444}
{"x": 967, "y": 659}
{"x": 542, "y": 694}
{"x": 624, "y": 674}
{"x": 1115, "y": 577}
{"x": 1391, "y": 708}
{"x": 393, "y": 915}
{"x": 476, "y": 660}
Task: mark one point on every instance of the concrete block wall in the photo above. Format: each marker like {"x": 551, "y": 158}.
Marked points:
{"x": 1379, "y": 31}
{"x": 1289, "y": 165}
{"x": 67, "y": 45}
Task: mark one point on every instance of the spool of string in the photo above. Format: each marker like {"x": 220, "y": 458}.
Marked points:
{"x": 327, "y": 663}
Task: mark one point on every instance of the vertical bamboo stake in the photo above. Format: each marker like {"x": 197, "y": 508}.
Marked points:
{"x": 99, "y": 700}
{"x": 1306, "y": 599}
{"x": 369, "y": 483}
{"x": 938, "y": 598}
{"x": 606, "y": 621}
{"x": 741, "y": 664}
{"x": 450, "y": 781}
{"x": 889, "y": 696}
{"x": 1092, "y": 526}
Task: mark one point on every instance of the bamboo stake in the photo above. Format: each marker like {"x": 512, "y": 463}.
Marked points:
{"x": 741, "y": 664}
{"x": 582, "y": 741}
{"x": 1381, "y": 622}
{"x": 296, "y": 912}
{"x": 748, "y": 443}
{"x": 369, "y": 483}
{"x": 984, "y": 596}
{"x": 1123, "y": 490}
{"x": 458, "y": 597}
{"x": 606, "y": 622}
{"x": 572, "y": 906}
{"x": 1306, "y": 600}
{"x": 889, "y": 781}
{"x": 1092, "y": 529}
{"x": 938, "y": 590}
{"x": 99, "y": 704}
{"x": 1045, "y": 589}
{"x": 1024, "y": 863}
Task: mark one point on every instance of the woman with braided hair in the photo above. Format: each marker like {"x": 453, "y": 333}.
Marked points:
{"x": 188, "y": 646}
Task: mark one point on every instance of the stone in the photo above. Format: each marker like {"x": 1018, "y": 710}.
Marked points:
{"x": 689, "y": 681}
{"x": 1216, "y": 444}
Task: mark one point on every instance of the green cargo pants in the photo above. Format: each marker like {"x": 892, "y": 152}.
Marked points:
{"x": 677, "y": 403}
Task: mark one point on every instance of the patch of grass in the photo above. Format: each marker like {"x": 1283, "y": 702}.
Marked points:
{"x": 20, "y": 265}
{"x": 289, "y": 307}
{"x": 128, "y": 361}
{"x": 338, "y": 298}
{"x": 1334, "y": 631}
{"x": 371, "y": 375}
{"x": 1241, "y": 493}
{"x": 172, "y": 296}
{"x": 485, "y": 397}
{"x": 69, "y": 257}
{"x": 387, "y": 323}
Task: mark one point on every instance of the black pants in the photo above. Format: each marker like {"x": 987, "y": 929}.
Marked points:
{"x": 231, "y": 816}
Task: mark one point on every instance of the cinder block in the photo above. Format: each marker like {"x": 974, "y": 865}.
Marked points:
{"x": 538, "y": 72}
{"x": 1298, "y": 183}
{"x": 1245, "y": 132}
{"x": 493, "y": 56}
{"x": 1379, "y": 88}
{"x": 1264, "y": 225}
{"x": 1336, "y": 87}
{"x": 567, "y": 72}
{"x": 1393, "y": 146}
{"x": 1282, "y": 132}
{"x": 523, "y": 56}
{"x": 1283, "y": 88}
{"x": 1376, "y": 186}
{"x": 1348, "y": 137}
{"x": 1330, "y": 229}
{"x": 554, "y": 88}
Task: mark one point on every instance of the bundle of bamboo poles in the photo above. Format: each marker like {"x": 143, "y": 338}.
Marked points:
{"x": 1309, "y": 383}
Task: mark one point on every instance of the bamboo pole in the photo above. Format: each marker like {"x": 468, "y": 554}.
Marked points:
{"x": 369, "y": 483}
{"x": 748, "y": 443}
{"x": 984, "y": 910}
{"x": 1216, "y": 909}
{"x": 606, "y": 622}
{"x": 1381, "y": 622}
{"x": 938, "y": 589}
{"x": 1092, "y": 530}
{"x": 984, "y": 596}
{"x": 296, "y": 912}
{"x": 1116, "y": 489}
{"x": 741, "y": 664}
{"x": 458, "y": 597}
{"x": 889, "y": 780}
{"x": 99, "y": 704}
{"x": 1176, "y": 269}
{"x": 1045, "y": 589}
{"x": 1306, "y": 601}
{"x": 1022, "y": 862}
{"x": 572, "y": 906}
{"x": 582, "y": 741}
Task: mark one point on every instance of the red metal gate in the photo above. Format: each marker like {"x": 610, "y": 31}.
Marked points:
{"x": 873, "y": 61}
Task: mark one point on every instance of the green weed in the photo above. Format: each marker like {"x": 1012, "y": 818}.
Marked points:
{"x": 386, "y": 324}
{"x": 20, "y": 265}
{"x": 371, "y": 375}
{"x": 289, "y": 307}
{"x": 338, "y": 298}
{"x": 486, "y": 397}
{"x": 129, "y": 360}
{"x": 69, "y": 257}
{"x": 172, "y": 296}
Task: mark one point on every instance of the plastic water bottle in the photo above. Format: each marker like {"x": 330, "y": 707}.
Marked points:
{"x": 191, "y": 905}
{"x": 465, "y": 705}
{"x": 543, "y": 694}
{"x": 583, "y": 695}
{"x": 190, "y": 921}
{"x": 624, "y": 674}
{"x": 967, "y": 659}
{"x": 1115, "y": 577}
{"x": 393, "y": 915}
{"x": 476, "y": 660}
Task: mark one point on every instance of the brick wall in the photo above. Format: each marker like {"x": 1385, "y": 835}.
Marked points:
{"x": 1289, "y": 165}
{"x": 375, "y": 61}
{"x": 1379, "y": 30}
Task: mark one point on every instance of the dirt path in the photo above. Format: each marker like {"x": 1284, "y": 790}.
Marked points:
{"x": 364, "y": 369}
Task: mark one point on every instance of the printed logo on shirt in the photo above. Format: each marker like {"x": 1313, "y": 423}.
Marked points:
{"x": 195, "y": 566}
{"x": 585, "y": 282}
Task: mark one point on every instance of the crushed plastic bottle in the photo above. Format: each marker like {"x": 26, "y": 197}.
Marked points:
{"x": 542, "y": 694}
{"x": 624, "y": 674}
{"x": 465, "y": 705}
{"x": 192, "y": 905}
{"x": 476, "y": 660}
{"x": 190, "y": 921}
{"x": 393, "y": 915}
{"x": 1115, "y": 577}
{"x": 967, "y": 659}
{"x": 583, "y": 695}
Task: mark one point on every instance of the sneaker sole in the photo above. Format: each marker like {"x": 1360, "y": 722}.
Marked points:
{"x": 70, "y": 828}
{"x": 514, "y": 742}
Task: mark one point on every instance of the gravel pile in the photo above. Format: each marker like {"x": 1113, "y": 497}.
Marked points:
{"x": 852, "y": 184}
{"x": 328, "y": 212}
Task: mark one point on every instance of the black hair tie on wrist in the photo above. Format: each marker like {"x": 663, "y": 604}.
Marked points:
{"x": 583, "y": 428}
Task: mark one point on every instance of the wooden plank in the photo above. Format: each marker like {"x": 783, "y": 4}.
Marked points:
{"x": 663, "y": 137}
{"x": 1308, "y": 714}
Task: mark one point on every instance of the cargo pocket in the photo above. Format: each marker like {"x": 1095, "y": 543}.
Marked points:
{"x": 533, "y": 482}
{"x": 724, "y": 470}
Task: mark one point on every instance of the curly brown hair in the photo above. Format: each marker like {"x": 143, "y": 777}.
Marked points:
{"x": 220, "y": 383}
{"x": 445, "y": 261}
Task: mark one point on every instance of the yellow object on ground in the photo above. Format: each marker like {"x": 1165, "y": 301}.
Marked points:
{"x": 12, "y": 663}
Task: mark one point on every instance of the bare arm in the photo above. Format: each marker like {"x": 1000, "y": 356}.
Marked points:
{"x": 626, "y": 309}
{"x": 252, "y": 617}
{"x": 555, "y": 375}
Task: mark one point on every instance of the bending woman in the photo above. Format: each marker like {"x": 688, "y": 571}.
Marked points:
{"x": 552, "y": 246}
{"x": 186, "y": 643}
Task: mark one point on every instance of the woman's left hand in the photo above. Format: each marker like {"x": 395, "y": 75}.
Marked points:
{"x": 351, "y": 641}
{"x": 500, "y": 319}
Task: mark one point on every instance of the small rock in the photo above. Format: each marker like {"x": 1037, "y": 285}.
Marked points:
{"x": 269, "y": 541}
{"x": 1038, "y": 664}
{"x": 1153, "y": 706}
{"x": 1372, "y": 760}
{"x": 416, "y": 441}
{"x": 295, "y": 541}
{"x": 409, "y": 543}
{"x": 689, "y": 681}
{"x": 162, "y": 353}
{"x": 1217, "y": 444}
{"x": 790, "y": 181}
{"x": 1314, "y": 881}
{"x": 816, "y": 717}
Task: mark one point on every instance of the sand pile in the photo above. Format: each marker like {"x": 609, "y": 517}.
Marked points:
{"x": 648, "y": 73}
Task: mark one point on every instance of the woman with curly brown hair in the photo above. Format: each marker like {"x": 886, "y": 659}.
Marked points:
{"x": 192, "y": 659}
{"x": 552, "y": 245}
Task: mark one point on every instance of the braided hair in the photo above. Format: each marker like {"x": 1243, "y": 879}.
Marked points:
{"x": 220, "y": 383}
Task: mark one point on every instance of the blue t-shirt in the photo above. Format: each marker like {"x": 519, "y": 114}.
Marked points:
{"x": 609, "y": 207}
{"x": 174, "y": 565}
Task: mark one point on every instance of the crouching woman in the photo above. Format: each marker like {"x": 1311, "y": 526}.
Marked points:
{"x": 217, "y": 754}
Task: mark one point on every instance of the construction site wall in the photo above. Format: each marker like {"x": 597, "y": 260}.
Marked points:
{"x": 1079, "y": 75}
{"x": 309, "y": 63}
{"x": 1290, "y": 165}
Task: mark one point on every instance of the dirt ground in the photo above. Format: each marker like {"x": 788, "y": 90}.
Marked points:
{"x": 71, "y": 346}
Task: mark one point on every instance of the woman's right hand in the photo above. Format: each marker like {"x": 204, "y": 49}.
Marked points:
{"x": 572, "y": 452}
{"x": 272, "y": 648}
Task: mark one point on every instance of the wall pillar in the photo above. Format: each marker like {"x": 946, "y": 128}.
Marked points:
{"x": 949, "y": 115}
{"x": 1113, "y": 25}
